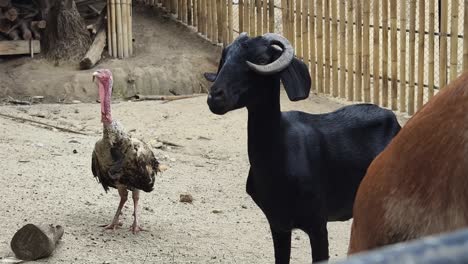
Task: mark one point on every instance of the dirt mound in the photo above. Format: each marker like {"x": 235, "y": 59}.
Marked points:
{"x": 169, "y": 59}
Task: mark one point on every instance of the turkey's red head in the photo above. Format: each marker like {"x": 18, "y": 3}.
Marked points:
{"x": 104, "y": 81}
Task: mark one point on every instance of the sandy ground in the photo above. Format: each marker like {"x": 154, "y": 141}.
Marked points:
{"x": 44, "y": 181}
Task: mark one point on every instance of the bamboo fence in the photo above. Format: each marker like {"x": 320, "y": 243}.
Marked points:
{"x": 396, "y": 54}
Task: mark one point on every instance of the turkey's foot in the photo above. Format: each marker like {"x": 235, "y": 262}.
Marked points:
{"x": 136, "y": 228}
{"x": 112, "y": 226}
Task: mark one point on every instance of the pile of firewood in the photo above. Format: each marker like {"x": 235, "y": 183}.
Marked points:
{"x": 20, "y": 21}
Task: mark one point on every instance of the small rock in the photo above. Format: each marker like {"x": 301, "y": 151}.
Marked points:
{"x": 77, "y": 111}
{"x": 173, "y": 159}
{"x": 216, "y": 211}
{"x": 298, "y": 238}
{"x": 186, "y": 198}
{"x": 74, "y": 141}
{"x": 75, "y": 151}
{"x": 76, "y": 102}
{"x": 244, "y": 206}
{"x": 148, "y": 209}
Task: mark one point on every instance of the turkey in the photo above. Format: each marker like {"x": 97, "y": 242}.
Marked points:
{"x": 120, "y": 161}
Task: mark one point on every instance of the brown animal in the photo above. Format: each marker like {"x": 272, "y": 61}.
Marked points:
{"x": 120, "y": 161}
{"x": 418, "y": 185}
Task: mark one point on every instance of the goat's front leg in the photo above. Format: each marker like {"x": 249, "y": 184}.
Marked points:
{"x": 318, "y": 236}
{"x": 282, "y": 245}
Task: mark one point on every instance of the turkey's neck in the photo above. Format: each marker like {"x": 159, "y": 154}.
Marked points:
{"x": 105, "y": 91}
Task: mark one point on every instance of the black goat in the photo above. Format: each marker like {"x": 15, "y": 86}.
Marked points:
{"x": 304, "y": 169}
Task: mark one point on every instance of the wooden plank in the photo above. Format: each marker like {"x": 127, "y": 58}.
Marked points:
{"x": 412, "y": 57}
{"x": 247, "y": 16}
{"x": 334, "y": 48}
{"x": 114, "y": 29}
{"x": 125, "y": 18}
{"x": 431, "y": 64}
{"x": 258, "y": 4}
{"x": 252, "y": 18}
{"x": 394, "y": 53}
{"x": 319, "y": 46}
{"x": 130, "y": 27}
{"x": 241, "y": 16}
{"x": 230, "y": 35}
{"x": 421, "y": 55}
{"x": 284, "y": 18}
{"x": 350, "y": 51}
{"x": 291, "y": 22}
{"x": 443, "y": 44}
{"x": 189, "y": 13}
{"x": 312, "y": 38}
{"x": 16, "y": 47}
{"x": 305, "y": 31}
{"x": 358, "y": 56}
{"x": 271, "y": 13}
{"x": 118, "y": 12}
{"x": 385, "y": 53}
{"x": 195, "y": 13}
{"x": 109, "y": 27}
{"x": 366, "y": 51}
{"x": 179, "y": 10}
{"x": 376, "y": 93}
{"x": 327, "y": 46}
{"x": 454, "y": 41}
{"x": 215, "y": 26}
{"x": 465, "y": 34}
{"x": 265, "y": 16}
{"x": 342, "y": 49}
{"x": 403, "y": 72}
{"x": 298, "y": 29}
{"x": 219, "y": 22}
{"x": 209, "y": 24}
{"x": 224, "y": 22}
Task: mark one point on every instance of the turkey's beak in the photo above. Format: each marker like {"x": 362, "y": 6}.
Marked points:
{"x": 94, "y": 75}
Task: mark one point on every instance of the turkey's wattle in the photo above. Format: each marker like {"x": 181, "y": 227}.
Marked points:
{"x": 120, "y": 161}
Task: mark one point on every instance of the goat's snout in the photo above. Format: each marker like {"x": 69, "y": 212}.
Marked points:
{"x": 217, "y": 93}
{"x": 217, "y": 100}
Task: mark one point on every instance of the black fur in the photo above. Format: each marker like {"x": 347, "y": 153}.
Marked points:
{"x": 304, "y": 169}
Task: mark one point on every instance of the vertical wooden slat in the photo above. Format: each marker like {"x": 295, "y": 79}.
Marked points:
{"x": 412, "y": 57}
{"x": 219, "y": 21}
{"x": 284, "y": 17}
{"x": 358, "y": 50}
{"x": 209, "y": 24}
{"x": 114, "y": 29}
{"x": 376, "y": 93}
{"x": 258, "y": 27}
{"x": 189, "y": 13}
{"x": 271, "y": 18}
{"x": 124, "y": 10}
{"x": 305, "y": 31}
{"x": 109, "y": 27}
{"x": 454, "y": 41}
{"x": 465, "y": 35}
{"x": 202, "y": 17}
{"x": 402, "y": 67}
{"x": 421, "y": 35}
{"x": 195, "y": 13}
{"x": 334, "y": 48}
{"x": 431, "y": 64}
{"x": 312, "y": 38}
{"x": 343, "y": 48}
{"x": 385, "y": 53}
{"x": 230, "y": 21}
{"x": 179, "y": 9}
{"x": 443, "y": 44}
{"x": 184, "y": 11}
{"x": 319, "y": 46}
{"x": 247, "y": 16}
{"x": 118, "y": 20}
{"x": 252, "y": 18}
{"x": 214, "y": 20}
{"x": 174, "y": 6}
{"x": 298, "y": 29}
{"x": 394, "y": 55}
{"x": 291, "y": 22}
{"x": 224, "y": 21}
{"x": 327, "y": 46}
{"x": 265, "y": 16}
{"x": 241, "y": 16}
{"x": 365, "y": 51}
{"x": 350, "y": 51}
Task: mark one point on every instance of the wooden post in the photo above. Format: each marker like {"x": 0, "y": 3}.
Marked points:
{"x": 412, "y": 56}
{"x": 130, "y": 27}
{"x": 219, "y": 17}
{"x": 327, "y": 46}
{"x": 312, "y": 38}
{"x": 230, "y": 26}
{"x": 454, "y": 41}
{"x": 285, "y": 19}
{"x": 271, "y": 19}
{"x": 291, "y": 23}
{"x": 94, "y": 53}
{"x": 319, "y": 46}
{"x": 376, "y": 94}
{"x": 258, "y": 4}
{"x": 358, "y": 56}
{"x": 465, "y": 33}
{"x": 241, "y": 16}
{"x": 247, "y": 16}
{"x": 365, "y": 51}
{"x": 421, "y": 34}
{"x": 189, "y": 13}
{"x": 114, "y": 28}
{"x": 443, "y": 44}
{"x": 109, "y": 28}
{"x": 252, "y": 18}
{"x": 393, "y": 43}
{"x": 224, "y": 22}
{"x": 385, "y": 53}
{"x": 195, "y": 13}
{"x": 334, "y": 48}
{"x": 305, "y": 31}
{"x": 214, "y": 25}
{"x": 431, "y": 65}
{"x": 118, "y": 11}
{"x": 265, "y": 16}
{"x": 209, "y": 18}
{"x": 124, "y": 9}
{"x": 32, "y": 242}
{"x": 342, "y": 93}
{"x": 350, "y": 51}
{"x": 298, "y": 35}
{"x": 403, "y": 72}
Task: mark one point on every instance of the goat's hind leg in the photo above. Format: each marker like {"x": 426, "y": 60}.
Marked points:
{"x": 318, "y": 236}
{"x": 282, "y": 246}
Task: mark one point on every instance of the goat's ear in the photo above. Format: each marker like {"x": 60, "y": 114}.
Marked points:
{"x": 296, "y": 80}
{"x": 210, "y": 76}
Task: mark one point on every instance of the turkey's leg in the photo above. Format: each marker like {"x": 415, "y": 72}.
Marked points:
{"x": 135, "y": 227}
{"x": 123, "y": 198}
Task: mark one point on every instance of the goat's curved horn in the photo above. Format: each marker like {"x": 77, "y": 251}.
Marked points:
{"x": 282, "y": 62}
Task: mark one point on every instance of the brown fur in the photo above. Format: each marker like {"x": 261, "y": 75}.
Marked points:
{"x": 419, "y": 184}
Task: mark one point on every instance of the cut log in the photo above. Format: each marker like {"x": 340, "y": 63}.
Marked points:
{"x": 5, "y": 3}
{"x": 13, "y": 34}
{"x": 33, "y": 242}
{"x": 10, "y": 14}
{"x": 26, "y": 33}
{"x": 95, "y": 51}
{"x": 41, "y": 24}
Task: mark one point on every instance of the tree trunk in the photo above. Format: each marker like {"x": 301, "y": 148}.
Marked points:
{"x": 66, "y": 36}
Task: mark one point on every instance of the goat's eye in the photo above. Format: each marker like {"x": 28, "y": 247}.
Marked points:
{"x": 262, "y": 61}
